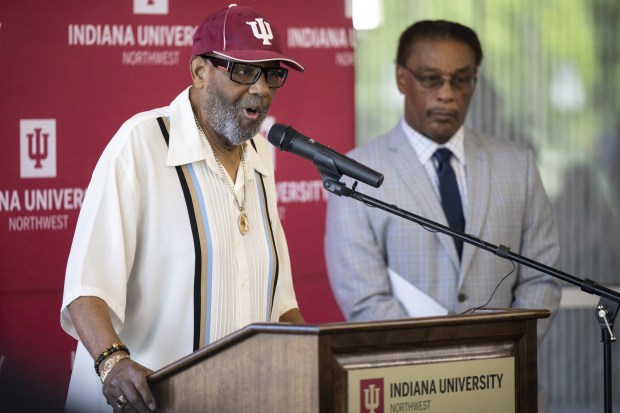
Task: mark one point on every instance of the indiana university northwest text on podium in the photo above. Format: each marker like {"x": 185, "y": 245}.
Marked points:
{"x": 483, "y": 362}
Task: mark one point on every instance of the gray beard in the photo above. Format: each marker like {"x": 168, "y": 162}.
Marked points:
{"x": 223, "y": 120}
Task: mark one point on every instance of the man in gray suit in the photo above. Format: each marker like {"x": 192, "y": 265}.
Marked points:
{"x": 384, "y": 267}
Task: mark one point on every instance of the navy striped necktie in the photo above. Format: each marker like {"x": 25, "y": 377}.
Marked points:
{"x": 450, "y": 195}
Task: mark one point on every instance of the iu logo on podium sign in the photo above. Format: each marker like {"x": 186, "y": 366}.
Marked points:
{"x": 371, "y": 396}
{"x": 37, "y": 148}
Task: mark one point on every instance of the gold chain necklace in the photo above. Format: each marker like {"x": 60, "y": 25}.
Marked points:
{"x": 244, "y": 224}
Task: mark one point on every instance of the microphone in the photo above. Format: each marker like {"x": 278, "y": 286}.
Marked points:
{"x": 288, "y": 139}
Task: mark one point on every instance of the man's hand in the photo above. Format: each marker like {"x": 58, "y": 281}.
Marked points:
{"x": 128, "y": 378}
{"x": 292, "y": 316}
{"x": 124, "y": 387}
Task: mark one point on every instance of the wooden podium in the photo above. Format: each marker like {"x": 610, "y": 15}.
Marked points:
{"x": 436, "y": 363}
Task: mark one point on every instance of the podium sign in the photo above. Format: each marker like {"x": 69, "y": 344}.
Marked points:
{"x": 471, "y": 386}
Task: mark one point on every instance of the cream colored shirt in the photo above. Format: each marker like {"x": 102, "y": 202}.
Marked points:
{"x": 133, "y": 247}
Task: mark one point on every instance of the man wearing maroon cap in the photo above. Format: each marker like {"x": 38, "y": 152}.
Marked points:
{"x": 178, "y": 243}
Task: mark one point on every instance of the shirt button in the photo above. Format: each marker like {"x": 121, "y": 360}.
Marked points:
{"x": 462, "y": 297}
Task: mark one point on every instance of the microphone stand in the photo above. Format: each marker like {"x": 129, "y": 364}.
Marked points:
{"x": 607, "y": 308}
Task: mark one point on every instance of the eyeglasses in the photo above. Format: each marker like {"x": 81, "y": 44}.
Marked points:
{"x": 248, "y": 74}
{"x": 433, "y": 81}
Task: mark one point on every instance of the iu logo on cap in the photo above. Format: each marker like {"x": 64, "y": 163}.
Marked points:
{"x": 150, "y": 6}
{"x": 37, "y": 148}
{"x": 371, "y": 396}
{"x": 261, "y": 30}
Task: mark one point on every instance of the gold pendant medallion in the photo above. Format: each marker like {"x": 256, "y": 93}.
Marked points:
{"x": 244, "y": 224}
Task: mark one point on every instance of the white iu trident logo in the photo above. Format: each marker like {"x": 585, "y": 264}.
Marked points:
{"x": 261, "y": 30}
{"x": 371, "y": 398}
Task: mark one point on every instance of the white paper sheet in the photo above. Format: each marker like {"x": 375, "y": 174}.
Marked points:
{"x": 415, "y": 301}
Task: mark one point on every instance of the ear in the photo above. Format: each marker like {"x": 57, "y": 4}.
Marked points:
{"x": 197, "y": 68}
{"x": 401, "y": 80}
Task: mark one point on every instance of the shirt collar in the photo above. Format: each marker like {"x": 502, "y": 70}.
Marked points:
{"x": 425, "y": 147}
{"x": 254, "y": 161}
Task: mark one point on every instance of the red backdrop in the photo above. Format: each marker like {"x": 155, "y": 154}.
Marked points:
{"x": 71, "y": 73}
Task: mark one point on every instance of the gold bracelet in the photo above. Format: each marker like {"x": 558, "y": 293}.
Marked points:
{"x": 111, "y": 362}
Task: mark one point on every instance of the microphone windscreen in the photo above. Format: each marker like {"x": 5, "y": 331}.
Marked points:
{"x": 276, "y": 134}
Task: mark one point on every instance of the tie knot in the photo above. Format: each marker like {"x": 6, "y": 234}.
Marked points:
{"x": 442, "y": 155}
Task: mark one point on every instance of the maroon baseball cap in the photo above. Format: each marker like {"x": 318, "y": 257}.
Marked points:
{"x": 241, "y": 34}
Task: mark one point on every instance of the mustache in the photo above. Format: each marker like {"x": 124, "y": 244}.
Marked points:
{"x": 255, "y": 103}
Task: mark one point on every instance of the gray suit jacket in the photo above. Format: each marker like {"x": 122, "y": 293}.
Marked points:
{"x": 507, "y": 205}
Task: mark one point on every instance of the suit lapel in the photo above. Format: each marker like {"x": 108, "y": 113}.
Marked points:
{"x": 478, "y": 192}
{"x": 417, "y": 182}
